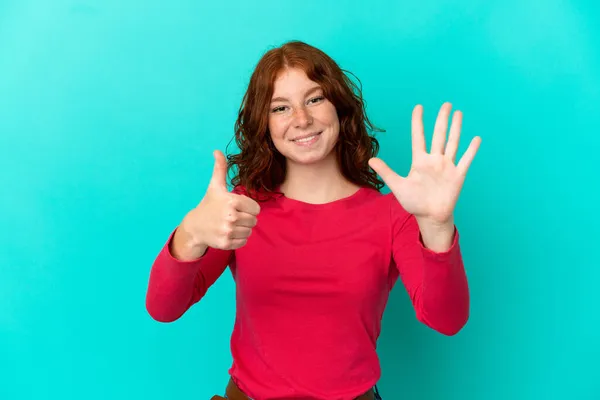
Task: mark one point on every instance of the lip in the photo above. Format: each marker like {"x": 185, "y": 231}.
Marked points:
{"x": 307, "y": 135}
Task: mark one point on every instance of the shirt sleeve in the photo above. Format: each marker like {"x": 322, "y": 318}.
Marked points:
{"x": 435, "y": 281}
{"x": 175, "y": 285}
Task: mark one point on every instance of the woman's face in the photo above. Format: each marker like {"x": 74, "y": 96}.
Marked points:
{"x": 303, "y": 124}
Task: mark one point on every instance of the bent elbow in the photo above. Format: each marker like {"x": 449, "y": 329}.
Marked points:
{"x": 452, "y": 330}
{"x": 445, "y": 327}
{"x": 160, "y": 313}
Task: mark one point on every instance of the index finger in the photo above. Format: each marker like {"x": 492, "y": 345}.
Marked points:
{"x": 247, "y": 205}
{"x": 418, "y": 131}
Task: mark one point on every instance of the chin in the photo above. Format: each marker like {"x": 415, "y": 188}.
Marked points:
{"x": 308, "y": 159}
{"x": 304, "y": 160}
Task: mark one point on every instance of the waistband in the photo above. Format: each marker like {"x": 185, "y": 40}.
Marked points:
{"x": 232, "y": 392}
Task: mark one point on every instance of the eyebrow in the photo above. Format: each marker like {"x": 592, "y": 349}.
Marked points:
{"x": 309, "y": 91}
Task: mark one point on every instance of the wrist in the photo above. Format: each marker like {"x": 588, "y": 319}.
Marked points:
{"x": 437, "y": 236}
{"x": 189, "y": 236}
{"x": 185, "y": 245}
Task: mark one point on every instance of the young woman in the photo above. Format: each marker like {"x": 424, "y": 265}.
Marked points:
{"x": 312, "y": 244}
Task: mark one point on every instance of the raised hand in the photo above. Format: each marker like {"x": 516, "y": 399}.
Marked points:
{"x": 432, "y": 187}
{"x": 222, "y": 220}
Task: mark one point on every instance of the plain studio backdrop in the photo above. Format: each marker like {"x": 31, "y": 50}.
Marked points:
{"x": 110, "y": 111}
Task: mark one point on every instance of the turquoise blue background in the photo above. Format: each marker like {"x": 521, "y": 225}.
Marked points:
{"x": 109, "y": 113}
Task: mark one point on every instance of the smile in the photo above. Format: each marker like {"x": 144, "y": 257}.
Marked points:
{"x": 307, "y": 141}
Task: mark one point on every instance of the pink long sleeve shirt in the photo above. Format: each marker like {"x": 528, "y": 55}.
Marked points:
{"x": 312, "y": 284}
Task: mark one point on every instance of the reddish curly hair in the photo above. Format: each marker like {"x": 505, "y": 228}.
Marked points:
{"x": 261, "y": 168}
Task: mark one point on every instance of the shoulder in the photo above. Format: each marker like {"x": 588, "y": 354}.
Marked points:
{"x": 398, "y": 214}
{"x": 377, "y": 204}
{"x": 388, "y": 198}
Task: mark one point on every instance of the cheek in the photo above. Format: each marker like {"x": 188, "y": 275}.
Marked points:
{"x": 277, "y": 128}
{"x": 328, "y": 114}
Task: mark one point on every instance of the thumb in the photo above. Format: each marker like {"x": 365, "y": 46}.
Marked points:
{"x": 386, "y": 173}
{"x": 219, "y": 176}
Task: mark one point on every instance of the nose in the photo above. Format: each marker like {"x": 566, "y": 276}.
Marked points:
{"x": 302, "y": 118}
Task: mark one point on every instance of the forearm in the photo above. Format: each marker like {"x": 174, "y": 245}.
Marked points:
{"x": 181, "y": 275}
{"x": 430, "y": 263}
{"x": 172, "y": 285}
{"x": 445, "y": 295}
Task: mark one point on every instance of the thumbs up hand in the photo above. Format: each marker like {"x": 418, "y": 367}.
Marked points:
{"x": 222, "y": 220}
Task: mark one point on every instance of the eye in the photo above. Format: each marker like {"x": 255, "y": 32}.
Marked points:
{"x": 316, "y": 99}
{"x": 278, "y": 109}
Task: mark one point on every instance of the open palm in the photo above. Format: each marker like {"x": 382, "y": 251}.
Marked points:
{"x": 432, "y": 187}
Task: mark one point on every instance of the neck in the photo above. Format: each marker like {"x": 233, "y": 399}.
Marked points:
{"x": 316, "y": 183}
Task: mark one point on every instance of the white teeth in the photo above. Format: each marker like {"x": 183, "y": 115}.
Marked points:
{"x": 306, "y": 139}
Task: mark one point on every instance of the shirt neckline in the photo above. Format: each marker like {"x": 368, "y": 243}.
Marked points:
{"x": 344, "y": 202}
